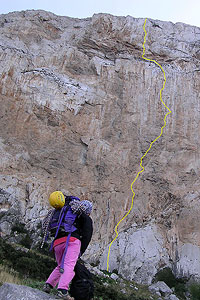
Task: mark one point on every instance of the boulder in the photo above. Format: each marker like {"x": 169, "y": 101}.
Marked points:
{"x": 114, "y": 276}
{"x": 10, "y": 291}
{"x": 160, "y": 287}
{"x": 171, "y": 297}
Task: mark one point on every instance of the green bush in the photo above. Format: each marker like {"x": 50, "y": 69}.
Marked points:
{"x": 112, "y": 291}
{"x": 195, "y": 291}
{"x": 180, "y": 289}
{"x": 19, "y": 228}
{"x": 44, "y": 250}
{"x": 26, "y": 241}
{"x": 107, "y": 293}
{"x": 28, "y": 264}
{"x": 168, "y": 277}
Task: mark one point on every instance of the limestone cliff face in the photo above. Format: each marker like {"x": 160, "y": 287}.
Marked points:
{"x": 79, "y": 108}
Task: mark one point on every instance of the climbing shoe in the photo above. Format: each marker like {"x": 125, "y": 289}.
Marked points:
{"x": 65, "y": 296}
{"x": 47, "y": 288}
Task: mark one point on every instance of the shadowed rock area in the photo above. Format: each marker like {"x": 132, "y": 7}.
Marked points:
{"x": 79, "y": 108}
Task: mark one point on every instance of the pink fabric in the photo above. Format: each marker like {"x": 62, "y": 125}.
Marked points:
{"x": 71, "y": 258}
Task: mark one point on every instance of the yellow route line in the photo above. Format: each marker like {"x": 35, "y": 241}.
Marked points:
{"x": 169, "y": 112}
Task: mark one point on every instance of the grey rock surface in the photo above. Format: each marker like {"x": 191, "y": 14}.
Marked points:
{"x": 160, "y": 287}
{"x": 9, "y": 291}
{"x": 171, "y": 297}
{"x": 114, "y": 276}
{"x": 141, "y": 259}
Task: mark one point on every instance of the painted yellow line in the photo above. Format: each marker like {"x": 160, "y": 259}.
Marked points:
{"x": 169, "y": 112}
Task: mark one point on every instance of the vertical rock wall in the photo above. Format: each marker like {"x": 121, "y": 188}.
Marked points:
{"x": 79, "y": 107}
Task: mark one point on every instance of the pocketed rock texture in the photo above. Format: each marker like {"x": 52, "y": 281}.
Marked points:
{"x": 79, "y": 108}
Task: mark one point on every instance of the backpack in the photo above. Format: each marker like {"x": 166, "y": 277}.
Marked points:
{"x": 82, "y": 286}
{"x": 62, "y": 219}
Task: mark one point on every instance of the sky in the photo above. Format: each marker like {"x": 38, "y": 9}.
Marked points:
{"x": 186, "y": 11}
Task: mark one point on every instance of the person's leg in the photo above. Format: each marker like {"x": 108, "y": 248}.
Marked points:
{"x": 55, "y": 275}
{"x": 71, "y": 258}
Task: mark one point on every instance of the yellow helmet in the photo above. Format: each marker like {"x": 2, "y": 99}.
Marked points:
{"x": 57, "y": 199}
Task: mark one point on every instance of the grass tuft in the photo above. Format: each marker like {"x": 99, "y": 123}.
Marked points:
{"x": 9, "y": 275}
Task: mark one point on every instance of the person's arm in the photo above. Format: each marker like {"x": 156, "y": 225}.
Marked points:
{"x": 87, "y": 230}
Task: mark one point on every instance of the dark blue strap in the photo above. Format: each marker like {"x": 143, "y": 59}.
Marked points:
{"x": 74, "y": 198}
{"x": 63, "y": 257}
{"x": 60, "y": 221}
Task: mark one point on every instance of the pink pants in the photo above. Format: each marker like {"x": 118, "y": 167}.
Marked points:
{"x": 71, "y": 258}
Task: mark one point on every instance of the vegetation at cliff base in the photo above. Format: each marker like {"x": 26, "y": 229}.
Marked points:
{"x": 178, "y": 284}
{"x": 28, "y": 263}
{"x": 195, "y": 291}
{"x": 29, "y": 267}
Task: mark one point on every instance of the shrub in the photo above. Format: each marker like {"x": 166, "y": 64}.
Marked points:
{"x": 44, "y": 250}
{"x": 19, "y": 228}
{"x": 26, "y": 241}
{"x": 29, "y": 263}
{"x": 168, "y": 277}
{"x": 112, "y": 291}
{"x": 195, "y": 291}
